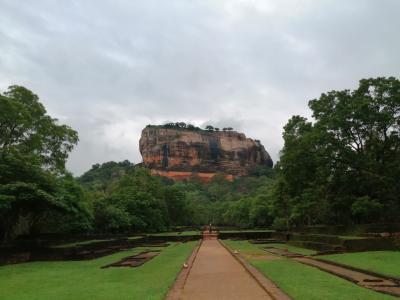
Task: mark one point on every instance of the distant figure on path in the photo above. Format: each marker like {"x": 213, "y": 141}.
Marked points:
{"x": 209, "y": 228}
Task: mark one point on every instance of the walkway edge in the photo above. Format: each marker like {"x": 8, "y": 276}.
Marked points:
{"x": 359, "y": 283}
{"x": 266, "y": 284}
{"x": 368, "y": 272}
{"x": 176, "y": 289}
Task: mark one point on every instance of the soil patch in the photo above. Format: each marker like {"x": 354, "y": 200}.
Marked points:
{"x": 134, "y": 260}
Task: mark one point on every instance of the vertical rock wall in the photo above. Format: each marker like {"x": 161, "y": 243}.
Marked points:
{"x": 176, "y": 152}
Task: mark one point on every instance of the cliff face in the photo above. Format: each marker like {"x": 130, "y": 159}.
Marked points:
{"x": 182, "y": 153}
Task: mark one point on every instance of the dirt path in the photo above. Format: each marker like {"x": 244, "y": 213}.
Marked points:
{"x": 216, "y": 274}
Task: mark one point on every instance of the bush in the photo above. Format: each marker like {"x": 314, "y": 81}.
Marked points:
{"x": 365, "y": 209}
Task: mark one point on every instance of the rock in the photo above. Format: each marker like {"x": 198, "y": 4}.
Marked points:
{"x": 181, "y": 153}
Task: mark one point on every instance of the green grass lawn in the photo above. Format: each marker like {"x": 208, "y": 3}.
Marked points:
{"x": 137, "y": 237}
{"x": 352, "y": 237}
{"x": 80, "y": 243}
{"x": 303, "y": 282}
{"x": 385, "y": 262}
{"x": 291, "y": 248}
{"x": 86, "y": 280}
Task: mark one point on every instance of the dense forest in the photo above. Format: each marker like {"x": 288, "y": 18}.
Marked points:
{"x": 341, "y": 167}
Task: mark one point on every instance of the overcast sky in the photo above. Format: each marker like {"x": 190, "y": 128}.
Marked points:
{"x": 109, "y": 68}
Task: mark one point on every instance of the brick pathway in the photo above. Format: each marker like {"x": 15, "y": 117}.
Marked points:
{"x": 215, "y": 274}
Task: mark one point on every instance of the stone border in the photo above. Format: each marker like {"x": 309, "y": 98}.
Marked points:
{"x": 176, "y": 289}
{"x": 298, "y": 259}
{"x": 372, "y": 273}
{"x": 348, "y": 278}
{"x": 266, "y": 284}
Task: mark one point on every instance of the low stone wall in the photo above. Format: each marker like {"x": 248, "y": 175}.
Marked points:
{"x": 25, "y": 252}
{"x": 245, "y": 235}
{"x": 172, "y": 238}
{"x": 28, "y": 252}
{"x": 319, "y": 238}
{"x": 316, "y": 245}
{"x": 326, "y": 242}
{"x": 354, "y": 229}
{"x": 370, "y": 244}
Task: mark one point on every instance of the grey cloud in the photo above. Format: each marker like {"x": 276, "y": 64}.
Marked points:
{"x": 108, "y": 68}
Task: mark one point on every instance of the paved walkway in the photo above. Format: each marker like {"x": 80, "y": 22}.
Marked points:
{"x": 215, "y": 274}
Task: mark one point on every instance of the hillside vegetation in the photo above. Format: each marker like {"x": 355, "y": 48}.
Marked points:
{"x": 342, "y": 168}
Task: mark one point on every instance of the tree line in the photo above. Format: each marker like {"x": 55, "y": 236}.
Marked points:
{"x": 188, "y": 126}
{"x": 341, "y": 167}
{"x": 344, "y": 166}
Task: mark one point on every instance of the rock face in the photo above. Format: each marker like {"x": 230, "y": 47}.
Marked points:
{"x": 181, "y": 153}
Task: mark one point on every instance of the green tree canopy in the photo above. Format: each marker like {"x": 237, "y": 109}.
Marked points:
{"x": 347, "y": 163}
{"x": 33, "y": 151}
{"x": 26, "y": 129}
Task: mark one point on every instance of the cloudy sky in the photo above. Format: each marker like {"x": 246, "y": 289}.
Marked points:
{"x": 108, "y": 68}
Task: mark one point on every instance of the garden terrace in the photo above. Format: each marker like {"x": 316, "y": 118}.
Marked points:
{"x": 80, "y": 249}
{"x": 301, "y": 281}
{"x": 342, "y": 243}
{"x": 87, "y": 280}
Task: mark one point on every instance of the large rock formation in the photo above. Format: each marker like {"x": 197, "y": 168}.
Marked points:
{"x": 180, "y": 153}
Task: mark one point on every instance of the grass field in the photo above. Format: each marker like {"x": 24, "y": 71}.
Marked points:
{"x": 352, "y": 237}
{"x": 384, "y": 262}
{"x": 303, "y": 282}
{"x": 86, "y": 280}
{"x": 80, "y": 243}
{"x": 137, "y": 237}
{"x": 291, "y": 248}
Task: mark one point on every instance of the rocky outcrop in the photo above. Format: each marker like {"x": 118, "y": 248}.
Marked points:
{"x": 181, "y": 153}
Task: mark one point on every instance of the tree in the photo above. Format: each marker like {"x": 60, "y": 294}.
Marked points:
{"x": 138, "y": 199}
{"x": 27, "y": 129}
{"x": 76, "y": 214}
{"x": 178, "y": 212}
{"x": 110, "y": 218}
{"x": 238, "y": 213}
{"x": 100, "y": 177}
{"x": 33, "y": 151}
{"x": 209, "y": 128}
{"x": 260, "y": 213}
{"x": 362, "y": 127}
{"x": 365, "y": 209}
{"x": 350, "y": 154}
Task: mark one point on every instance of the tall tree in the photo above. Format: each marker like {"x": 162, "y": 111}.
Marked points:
{"x": 347, "y": 162}
{"x": 33, "y": 151}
